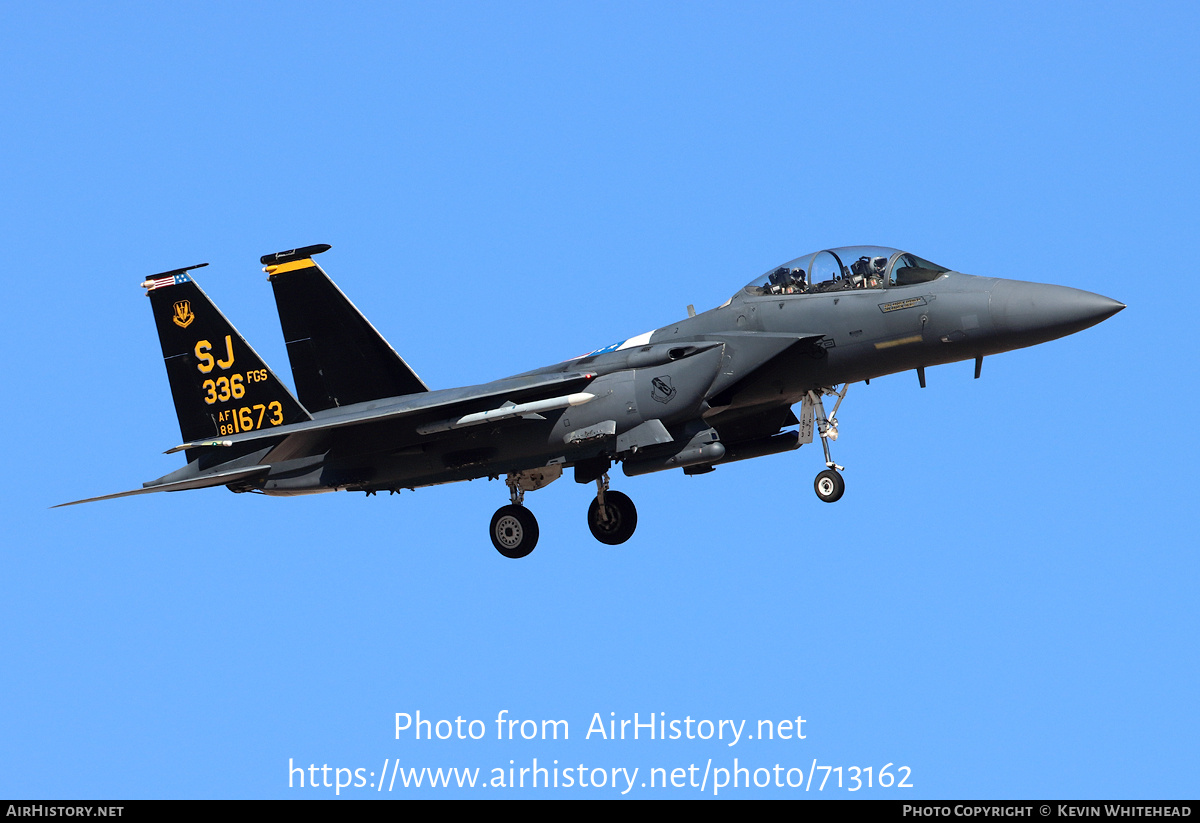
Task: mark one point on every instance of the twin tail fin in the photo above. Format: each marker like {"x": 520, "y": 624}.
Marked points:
{"x": 219, "y": 383}
{"x": 337, "y": 356}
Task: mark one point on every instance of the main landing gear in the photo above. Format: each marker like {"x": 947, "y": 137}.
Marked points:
{"x": 514, "y": 529}
{"x": 829, "y": 484}
{"x": 611, "y": 517}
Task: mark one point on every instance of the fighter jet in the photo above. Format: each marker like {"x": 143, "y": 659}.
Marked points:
{"x": 709, "y": 389}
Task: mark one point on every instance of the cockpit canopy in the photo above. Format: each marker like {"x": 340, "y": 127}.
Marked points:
{"x": 850, "y": 267}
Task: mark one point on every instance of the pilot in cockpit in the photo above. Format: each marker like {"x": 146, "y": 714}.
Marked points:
{"x": 797, "y": 282}
{"x": 867, "y": 272}
{"x": 878, "y": 269}
{"x": 787, "y": 281}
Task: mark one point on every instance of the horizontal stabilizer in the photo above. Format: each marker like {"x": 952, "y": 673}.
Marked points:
{"x": 218, "y": 479}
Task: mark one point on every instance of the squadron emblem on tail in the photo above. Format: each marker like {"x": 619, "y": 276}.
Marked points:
{"x": 183, "y": 316}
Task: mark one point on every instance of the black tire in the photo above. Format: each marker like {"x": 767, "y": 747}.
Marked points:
{"x": 622, "y": 519}
{"x": 829, "y": 486}
{"x": 514, "y": 531}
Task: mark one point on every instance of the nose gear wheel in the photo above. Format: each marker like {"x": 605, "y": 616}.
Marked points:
{"x": 829, "y": 486}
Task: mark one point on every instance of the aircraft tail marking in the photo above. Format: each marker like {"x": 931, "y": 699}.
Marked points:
{"x": 219, "y": 383}
{"x": 337, "y": 356}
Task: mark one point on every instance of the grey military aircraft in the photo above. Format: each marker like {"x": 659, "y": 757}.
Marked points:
{"x": 709, "y": 389}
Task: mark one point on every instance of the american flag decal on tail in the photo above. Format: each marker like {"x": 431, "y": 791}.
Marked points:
{"x": 161, "y": 282}
{"x": 175, "y": 277}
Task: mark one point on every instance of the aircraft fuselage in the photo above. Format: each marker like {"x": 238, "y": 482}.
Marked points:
{"x": 716, "y": 369}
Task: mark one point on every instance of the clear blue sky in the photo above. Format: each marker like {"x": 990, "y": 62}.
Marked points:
{"x": 1005, "y": 599}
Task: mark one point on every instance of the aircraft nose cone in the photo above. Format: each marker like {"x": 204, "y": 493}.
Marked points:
{"x": 1036, "y": 312}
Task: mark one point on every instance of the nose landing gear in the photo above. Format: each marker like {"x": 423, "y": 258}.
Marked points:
{"x": 829, "y": 484}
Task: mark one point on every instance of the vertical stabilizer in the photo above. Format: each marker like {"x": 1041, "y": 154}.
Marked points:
{"x": 337, "y": 356}
{"x": 219, "y": 383}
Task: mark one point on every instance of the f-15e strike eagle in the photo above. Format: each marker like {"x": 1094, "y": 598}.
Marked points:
{"x": 709, "y": 389}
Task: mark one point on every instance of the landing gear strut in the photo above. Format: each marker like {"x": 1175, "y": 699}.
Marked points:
{"x": 612, "y": 516}
{"x": 514, "y": 529}
{"x": 829, "y": 484}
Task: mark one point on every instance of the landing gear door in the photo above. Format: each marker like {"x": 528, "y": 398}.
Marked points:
{"x": 806, "y": 420}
